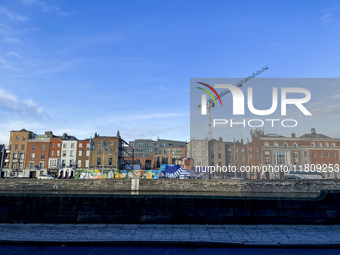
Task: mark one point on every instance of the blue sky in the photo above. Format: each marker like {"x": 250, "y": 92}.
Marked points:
{"x": 86, "y": 66}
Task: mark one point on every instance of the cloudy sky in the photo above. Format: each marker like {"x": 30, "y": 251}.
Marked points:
{"x": 86, "y": 66}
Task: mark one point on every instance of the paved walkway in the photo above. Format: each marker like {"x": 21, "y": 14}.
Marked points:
{"x": 141, "y": 234}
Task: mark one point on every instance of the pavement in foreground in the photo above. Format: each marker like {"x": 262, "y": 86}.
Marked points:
{"x": 157, "y": 234}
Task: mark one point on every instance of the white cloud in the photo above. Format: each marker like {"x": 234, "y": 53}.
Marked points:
{"x": 46, "y": 7}
{"x": 14, "y": 54}
{"x": 335, "y": 96}
{"x": 4, "y": 64}
{"x": 327, "y": 17}
{"x": 56, "y": 66}
{"x": 12, "y": 108}
{"x": 12, "y": 40}
{"x": 11, "y": 15}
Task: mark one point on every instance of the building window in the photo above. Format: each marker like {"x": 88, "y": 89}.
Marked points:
{"x": 333, "y": 144}
{"x": 100, "y": 142}
{"x": 276, "y": 144}
{"x": 219, "y": 147}
{"x": 165, "y": 160}
{"x": 43, "y": 148}
{"x": 257, "y": 156}
{"x": 52, "y": 145}
{"x": 79, "y": 163}
{"x": 285, "y": 145}
{"x": 15, "y": 155}
{"x": 32, "y": 155}
{"x": 24, "y": 138}
{"x": 280, "y": 158}
{"x": 176, "y": 151}
{"x": 42, "y": 156}
{"x": 320, "y": 154}
{"x": 58, "y": 153}
{"x": 313, "y": 144}
{"x": 327, "y": 154}
{"x": 16, "y": 147}
{"x": 22, "y": 155}
{"x": 110, "y": 151}
{"x": 219, "y": 155}
{"x": 314, "y": 155}
{"x": 72, "y": 145}
{"x": 88, "y": 145}
{"x": 266, "y": 157}
{"x": 99, "y": 151}
{"x": 33, "y": 147}
{"x": 41, "y": 165}
{"x": 110, "y": 142}
{"x": 326, "y": 145}
{"x": 334, "y": 155}
{"x": 31, "y": 165}
{"x": 51, "y": 153}
{"x": 64, "y": 153}
{"x": 80, "y": 145}
{"x": 58, "y": 145}
{"x": 80, "y": 153}
{"x": 98, "y": 161}
{"x": 294, "y": 145}
{"x": 256, "y": 149}
{"x": 296, "y": 158}
{"x": 23, "y": 147}
{"x": 64, "y": 145}
{"x": 17, "y": 138}
{"x": 320, "y": 144}
{"x": 109, "y": 162}
{"x": 87, "y": 153}
{"x": 305, "y": 153}
{"x": 266, "y": 144}
{"x": 72, "y": 153}
{"x": 87, "y": 163}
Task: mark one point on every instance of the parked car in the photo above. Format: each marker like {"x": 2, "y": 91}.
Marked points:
{"x": 45, "y": 176}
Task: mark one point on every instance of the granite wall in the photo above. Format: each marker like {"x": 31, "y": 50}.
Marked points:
{"x": 168, "y": 185}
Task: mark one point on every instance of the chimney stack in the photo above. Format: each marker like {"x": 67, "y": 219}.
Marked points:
{"x": 293, "y": 135}
{"x": 313, "y": 131}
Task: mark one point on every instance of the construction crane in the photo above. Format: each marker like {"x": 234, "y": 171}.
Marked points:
{"x": 211, "y": 103}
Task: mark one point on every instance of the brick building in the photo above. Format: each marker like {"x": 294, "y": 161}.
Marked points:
{"x": 54, "y": 161}
{"x": 150, "y": 154}
{"x": 109, "y": 158}
{"x": 17, "y": 149}
{"x": 38, "y": 151}
{"x": 83, "y": 154}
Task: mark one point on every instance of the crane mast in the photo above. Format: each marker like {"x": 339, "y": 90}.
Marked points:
{"x": 211, "y": 104}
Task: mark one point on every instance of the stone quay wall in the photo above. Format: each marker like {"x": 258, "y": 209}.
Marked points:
{"x": 169, "y": 185}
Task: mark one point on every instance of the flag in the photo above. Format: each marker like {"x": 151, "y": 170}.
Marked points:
{"x": 105, "y": 145}
{"x": 92, "y": 147}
